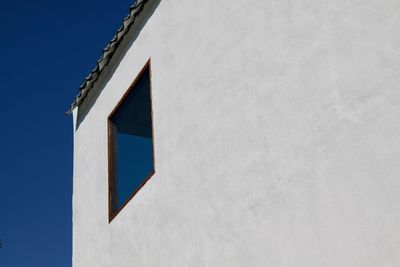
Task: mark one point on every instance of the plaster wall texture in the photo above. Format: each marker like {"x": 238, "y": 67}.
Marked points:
{"x": 276, "y": 132}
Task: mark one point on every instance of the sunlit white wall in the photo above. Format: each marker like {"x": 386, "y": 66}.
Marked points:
{"x": 276, "y": 127}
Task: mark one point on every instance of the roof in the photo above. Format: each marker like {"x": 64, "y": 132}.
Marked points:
{"x": 107, "y": 54}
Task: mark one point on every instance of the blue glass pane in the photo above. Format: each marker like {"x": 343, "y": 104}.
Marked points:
{"x": 134, "y": 164}
{"x": 132, "y": 144}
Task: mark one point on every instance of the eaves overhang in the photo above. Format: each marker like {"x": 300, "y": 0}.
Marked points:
{"x": 107, "y": 54}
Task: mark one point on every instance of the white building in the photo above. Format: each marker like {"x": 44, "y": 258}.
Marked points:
{"x": 270, "y": 131}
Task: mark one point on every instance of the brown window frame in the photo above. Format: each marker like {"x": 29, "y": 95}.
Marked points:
{"x": 112, "y": 179}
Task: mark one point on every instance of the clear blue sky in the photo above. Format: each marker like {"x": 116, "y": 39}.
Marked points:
{"x": 47, "y": 48}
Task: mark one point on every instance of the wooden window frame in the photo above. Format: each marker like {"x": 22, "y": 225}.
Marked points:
{"x": 112, "y": 179}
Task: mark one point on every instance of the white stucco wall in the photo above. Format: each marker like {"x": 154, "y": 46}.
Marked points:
{"x": 277, "y": 139}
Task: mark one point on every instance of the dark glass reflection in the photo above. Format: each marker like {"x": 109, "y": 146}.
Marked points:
{"x": 133, "y": 144}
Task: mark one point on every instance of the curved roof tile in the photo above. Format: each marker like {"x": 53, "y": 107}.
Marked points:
{"x": 108, "y": 52}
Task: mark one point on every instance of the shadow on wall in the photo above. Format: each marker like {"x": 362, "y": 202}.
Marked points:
{"x": 127, "y": 41}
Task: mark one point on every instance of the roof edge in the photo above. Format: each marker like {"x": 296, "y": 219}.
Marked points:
{"x": 107, "y": 54}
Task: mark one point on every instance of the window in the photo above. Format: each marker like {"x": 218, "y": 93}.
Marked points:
{"x": 130, "y": 141}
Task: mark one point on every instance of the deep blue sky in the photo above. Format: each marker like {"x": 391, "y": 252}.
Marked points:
{"x": 47, "y": 48}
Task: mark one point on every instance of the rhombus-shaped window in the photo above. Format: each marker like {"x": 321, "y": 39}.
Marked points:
{"x": 131, "y": 156}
